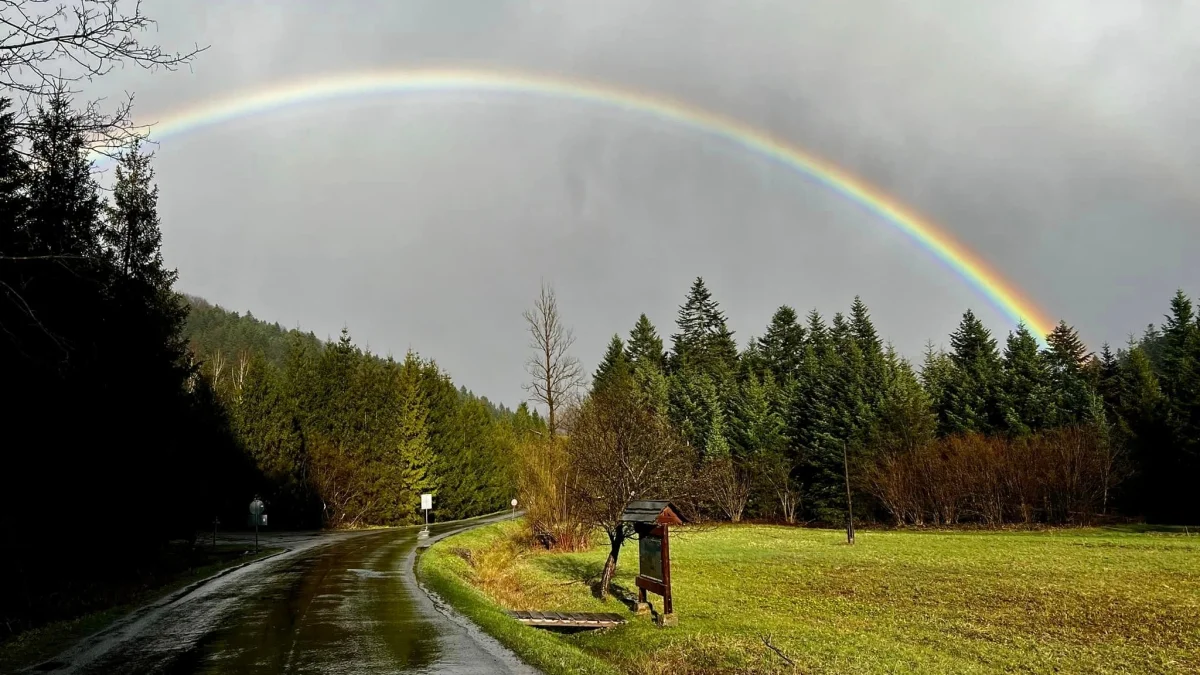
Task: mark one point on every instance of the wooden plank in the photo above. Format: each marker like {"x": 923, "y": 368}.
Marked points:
{"x": 568, "y": 619}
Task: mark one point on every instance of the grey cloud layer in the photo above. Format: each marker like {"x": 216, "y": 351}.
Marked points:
{"x": 1057, "y": 139}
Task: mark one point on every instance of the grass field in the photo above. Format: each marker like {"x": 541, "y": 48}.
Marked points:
{"x": 1069, "y": 601}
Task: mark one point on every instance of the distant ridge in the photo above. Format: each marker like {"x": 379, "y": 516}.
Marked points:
{"x": 211, "y": 328}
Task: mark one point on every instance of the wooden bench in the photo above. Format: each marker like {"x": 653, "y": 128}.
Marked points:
{"x": 567, "y": 619}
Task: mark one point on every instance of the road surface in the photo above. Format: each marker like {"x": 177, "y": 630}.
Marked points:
{"x": 332, "y": 603}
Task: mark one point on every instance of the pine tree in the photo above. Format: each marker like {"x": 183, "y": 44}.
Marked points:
{"x": 133, "y": 230}
{"x": 757, "y": 425}
{"x": 704, "y": 341}
{"x": 64, "y": 204}
{"x": 969, "y": 399}
{"x": 410, "y": 458}
{"x": 1180, "y": 380}
{"x": 14, "y": 176}
{"x": 1067, "y": 357}
{"x": 905, "y": 418}
{"x": 782, "y": 345}
{"x": 936, "y": 372}
{"x": 1026, "y": 393}
{"x": 614, "y": 366}
{"x": 645, "y": 346}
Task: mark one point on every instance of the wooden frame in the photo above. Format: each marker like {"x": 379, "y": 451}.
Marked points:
{"x": 652, "y": 519}
{"x": 655, "y": 586}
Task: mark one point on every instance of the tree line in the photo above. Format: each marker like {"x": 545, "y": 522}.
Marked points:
{"x": 341, "y": 437}
{"x": 1036, "y": 431}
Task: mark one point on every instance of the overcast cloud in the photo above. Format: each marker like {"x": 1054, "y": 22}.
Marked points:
{"x": 1056, "y": 139}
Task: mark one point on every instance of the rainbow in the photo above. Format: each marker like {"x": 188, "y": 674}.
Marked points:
{"x": 998, "y": 291}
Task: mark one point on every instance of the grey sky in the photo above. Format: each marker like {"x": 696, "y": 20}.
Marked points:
{"x": 1056, "y": 139}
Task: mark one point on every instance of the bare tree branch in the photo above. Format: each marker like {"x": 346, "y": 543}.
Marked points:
{"x": 48, "y": 47}
{"x": 556, "y": 375}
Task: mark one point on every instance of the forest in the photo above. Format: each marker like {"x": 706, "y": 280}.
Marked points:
{"x": 815, "y": 416}
{"x": 137, "y": 416}
{"x": 341, "y": 437}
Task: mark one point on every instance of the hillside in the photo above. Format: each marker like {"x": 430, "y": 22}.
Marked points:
{"x": 211, "y": 328}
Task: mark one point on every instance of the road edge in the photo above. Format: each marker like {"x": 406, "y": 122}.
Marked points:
{"x": 533, "y": 647}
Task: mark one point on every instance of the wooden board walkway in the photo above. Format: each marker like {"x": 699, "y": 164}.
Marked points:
{"x": 567, "y": 619}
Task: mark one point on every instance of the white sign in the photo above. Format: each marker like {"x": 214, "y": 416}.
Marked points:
{"x": 426, "y": 502}
{"x": 514, "y": 503}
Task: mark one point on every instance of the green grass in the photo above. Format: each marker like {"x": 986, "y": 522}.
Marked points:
{"x": 1069, "y": 601}
{"x": 44, "y": 642}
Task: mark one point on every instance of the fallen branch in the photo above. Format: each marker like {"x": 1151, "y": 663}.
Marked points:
{"x": 766, "y": 640}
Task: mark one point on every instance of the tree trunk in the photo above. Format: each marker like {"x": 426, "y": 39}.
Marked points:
{"x": 610, "y": 565}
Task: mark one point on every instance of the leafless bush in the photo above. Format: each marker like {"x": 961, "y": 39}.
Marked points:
{"x": 1059, "y": 476}
{"x": 728, "y": 482}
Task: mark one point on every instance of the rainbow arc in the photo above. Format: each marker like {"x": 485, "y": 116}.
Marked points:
{"x": 969, "y": 266}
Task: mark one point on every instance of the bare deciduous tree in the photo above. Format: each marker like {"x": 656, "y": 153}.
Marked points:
{"x": 728, "y": 482}
{"x": 619, "y": 451}
{"x": 556, "y": 375}
{"x": 49, "y": 47}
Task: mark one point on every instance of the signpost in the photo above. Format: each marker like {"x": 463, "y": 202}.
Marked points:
{"x": 651, "y": 521}
{"x": 256, "y": 514}
{"x": 514, "y": 505}
{"x": 426, "y": 505}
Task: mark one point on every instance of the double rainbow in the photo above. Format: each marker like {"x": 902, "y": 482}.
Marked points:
{"x": 967, "y": 265}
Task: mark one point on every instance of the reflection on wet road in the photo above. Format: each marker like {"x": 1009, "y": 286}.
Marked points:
{"x": 350, "y": 605}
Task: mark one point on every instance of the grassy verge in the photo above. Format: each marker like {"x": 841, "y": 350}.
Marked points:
{"x": 1070, "y": 601}
{"x": 44, "y": 642}
{"x": 445, "y": 572}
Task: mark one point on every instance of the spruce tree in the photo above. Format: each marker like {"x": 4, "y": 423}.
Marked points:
{"x": 1027, "y": 397}
{"x": 905, "y": 419}
{"x": 133, "y": 232}
{"x": 14, "y": 176}
{"x": 704, "y": 341}
{"x": 64, "y": 204}
{"x": 1180, "y": 379}
{"x": 782, "y": 345}
{"x": 614, "y": 366}
{"x": 1067, "y": 358}
{"x": 969, "y": 401}
{"x": 645, "y": 346}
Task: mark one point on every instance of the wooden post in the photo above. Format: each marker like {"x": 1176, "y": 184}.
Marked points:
{"x": 668, "y": 609}
{"x": 849, "y": 501}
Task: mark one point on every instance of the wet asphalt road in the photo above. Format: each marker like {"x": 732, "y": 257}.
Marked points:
{"x": 334, "y": 603}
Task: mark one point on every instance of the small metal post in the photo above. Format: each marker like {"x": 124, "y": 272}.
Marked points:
{"x": 256, "y": 534}
{"x": 216, "y": 522}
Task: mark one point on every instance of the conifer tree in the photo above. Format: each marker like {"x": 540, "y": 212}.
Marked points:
{"x": 905, "y": 418}
{"x": 1180, "y": 380}
{"x": 936, "y": 372}
{"x": 969, "y": 398}
{"x": 64, "y": 205}
{"x": 782, "y": 345}
{"x": 14, "y": 176}
{"x": 757, "y": 424}
{"x": 1027, "y": 397}
{"x": 1067, "y": 356}
{"x": 410, "y": 458}
{"x": 615, "y": 364}
{"x": 704, "y": 341}
{"x": 645, "y": 346}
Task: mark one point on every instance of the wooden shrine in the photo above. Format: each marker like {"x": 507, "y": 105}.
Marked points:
{"x": 651, "y": 521}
